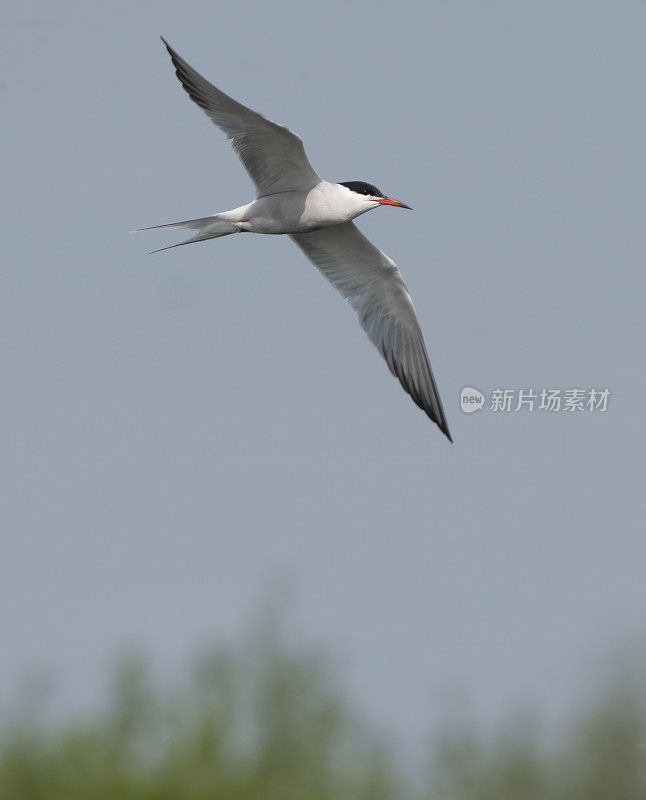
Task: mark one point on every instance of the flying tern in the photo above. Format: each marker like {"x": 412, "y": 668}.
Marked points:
{"x": 292, "y": 199}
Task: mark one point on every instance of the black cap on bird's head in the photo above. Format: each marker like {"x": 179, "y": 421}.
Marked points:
{"x": 370, "y": 191}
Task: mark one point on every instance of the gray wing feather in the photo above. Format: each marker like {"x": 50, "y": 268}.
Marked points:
{"x": 273, "y": 156}
{"x": 371, "y": 282}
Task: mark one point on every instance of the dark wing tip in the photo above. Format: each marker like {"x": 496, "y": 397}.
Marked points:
{"x": 175, "y": 56}
{"x": 171, "y": 52}
{"x": 192, "y": 82}
{"x": 445, "y": 430}
{"x": 430, "y": 405}
{"x": 433, "y": 411}
{"x": 438, "y": 418}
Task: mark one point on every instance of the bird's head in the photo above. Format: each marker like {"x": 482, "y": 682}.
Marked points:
{"x": 371, "y": 196}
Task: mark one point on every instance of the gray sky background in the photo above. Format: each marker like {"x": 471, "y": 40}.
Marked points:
{"x": 176, "y": 428}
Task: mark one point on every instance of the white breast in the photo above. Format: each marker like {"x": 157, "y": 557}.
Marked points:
{"x": 294, "y": 212}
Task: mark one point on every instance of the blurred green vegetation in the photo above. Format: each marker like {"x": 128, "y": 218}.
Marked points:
{"x": 263, "y": 722}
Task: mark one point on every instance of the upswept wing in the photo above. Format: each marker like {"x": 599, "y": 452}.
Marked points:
{"x": 371, "y": 282}
{"x": 273, "y": 156}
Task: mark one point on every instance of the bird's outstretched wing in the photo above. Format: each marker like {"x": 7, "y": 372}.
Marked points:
{"x": 273, "y": 156}
{"x": 371, "y": 282}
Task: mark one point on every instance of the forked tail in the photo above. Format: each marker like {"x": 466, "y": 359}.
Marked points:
{"x": 206, "y": 227}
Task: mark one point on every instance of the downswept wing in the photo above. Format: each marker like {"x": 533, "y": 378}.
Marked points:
{"x": 273, "y": 156}
{"x": 371, "y": 282}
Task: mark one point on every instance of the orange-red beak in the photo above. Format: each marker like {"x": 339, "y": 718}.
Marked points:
{"x": 390, "y": 201}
